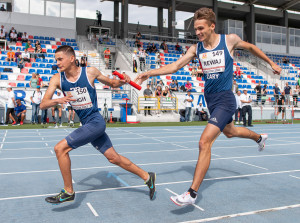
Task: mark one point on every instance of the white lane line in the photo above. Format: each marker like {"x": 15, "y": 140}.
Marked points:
{"x": 46, "y": 144}
{"x": 251, "y": 165}
{"x": 294, "y": 177}
{"x": 196, "y": 206}
{"x": 243, "y": 214}
{"x": 92, "y": 209}
{"x": 215, "y": 155}
{"x": 159, "y": 184}
{"x": 51, "y": 151}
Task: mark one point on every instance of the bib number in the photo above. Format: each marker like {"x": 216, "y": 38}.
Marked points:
{"x": 213, "y": 62}
{"x": 82, "y": 96}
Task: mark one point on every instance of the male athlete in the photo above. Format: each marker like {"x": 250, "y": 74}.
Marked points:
{"x": 215, "y": 53}
{"x": 78, "y": 87}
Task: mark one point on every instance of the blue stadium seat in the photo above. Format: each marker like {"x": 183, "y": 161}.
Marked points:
{"x": 40, "y": 71}
{"x": 47, "y": 71}
{"x": 189, "y": 78}
{"x": 52, "y": 38}
{"x": 54, "y": 71}
{"x": 31, "y": 71}
{"x": 45, "y": 78}
{"x": 27, "y": 78}
{"x": 13, "y": 64}
{"x": 34, "y": 65}
{"x": 116, "y": 96}
{"x": 20, "y": 85}
{"x": 124, "y": 96}
{"x": 42, "y": 65}
{"x": 51, "y": 61}
{"x": 27, "y": 85}
{"x": 38, "y": 60}
{"x": 4, "y": 77}
{"x": 5, "y": 63}
{"x": 47, "y": 38}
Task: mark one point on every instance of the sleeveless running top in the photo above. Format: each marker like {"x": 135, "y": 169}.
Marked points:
{"x": 217, "y": 66}
{"x": 85, "y": 94}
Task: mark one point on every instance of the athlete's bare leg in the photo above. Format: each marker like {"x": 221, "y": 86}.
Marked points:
{"x": 231, "y": 130}
{"x": 121, "y": 161}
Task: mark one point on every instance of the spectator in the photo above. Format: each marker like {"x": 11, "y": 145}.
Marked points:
{"x": 258, "y": 92}
{"x": 178, "y": 47}
{"x": 28, "y": 44}
{"x": 246, "y": 108}
{"x": 2, "y": 8}
{"x": 287, "y": 91}
{"x": 173, "y": 86}
{"x": 26, "y": 56}
{"x": 134, "y": 61}
{"x": 40, "y": 80}
{"x": 76, "y": 62}
{"x": 106, "y": 54}
{"x": 24, "y": 37}
{"x": 153, "y": 48}
{"x": 158, "y": 91}
{"x": 36, "y": 100}
{"x": 3, "y": 29}
{"x": 71, "y": 116}
{"x": 138, "y": 36}
{"x": 44, "y": 117}
{"x": 37, "y": 43}
{"x": 158, "y": 61}
{"x": 281, "y": 106}
{"x": 13, "y": 36}
{"x": 285, "y": 60}
{"x": 142, "y": 58}
{"x": 295, "y": 95}
{"x": 164, "y": 47}
{"x": 182, "y": 88}
{"x": 194, "y": 71}
{"x": 2, "y": 34}
{"x": 238, "y": 112}
{"x": 11, "y": 104}
{"x": 18, "y": 53}
{"x": 188, "y": 86}
{"x": 148, "y": 50}
{"x": 82, "y": 62}
{"x": 85, "y": 58}
{"x": 58, "y": 108}
{"x": 10, "y": 55}
{"x": 264, "y": 94}
{"x": 137, "y": 43}
{"x": 176, "y": 83}
{"x": 20, "y": 111}
{"x": 20, "y": 62}
{"x": 189, "y": 98}
{"x": 276, "y": 90}
{"x": 161, "y": 84}
{"x": 235, "y": 87}
{"x": 148, "y": 94}
{"x": 166, "y": 92}
{"x": 39, "y": 52}
{"x": 237, "y": 73}
{"x": 33, "y": 81}
{"x": 298, "y": 82}
{"x": 199, "y": 71}
{"x": 201, "y": 113}
{"x": 99, "y": 18}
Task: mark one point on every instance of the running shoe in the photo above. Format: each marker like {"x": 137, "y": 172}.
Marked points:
{"x": 151, "y": 184}
{"x": 183, "y": 199}
{"x": 55, "y": 126}
{"x": 261, "y": 144}
{"x": 62, "y": 197}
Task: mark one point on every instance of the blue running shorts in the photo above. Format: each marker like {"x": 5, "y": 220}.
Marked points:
{"x": 221, "y": 106}
{"x": 93, "y": 131}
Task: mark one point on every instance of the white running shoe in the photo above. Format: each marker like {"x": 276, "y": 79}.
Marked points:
{"x": 183, "y": 199}
{"x": 60, "y": 126}
{"x": 261, "y": 144}
{"x": 236, "y": 123}
{"x": 241, "y": 123}
{"x": 55, "y": 126}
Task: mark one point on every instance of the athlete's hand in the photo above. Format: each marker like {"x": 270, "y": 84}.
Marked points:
{"x": 276, "y": 69}
{"x": 126, "y": 79}
{"x": 65, "y": 99}
{"x": 141, "y": 78}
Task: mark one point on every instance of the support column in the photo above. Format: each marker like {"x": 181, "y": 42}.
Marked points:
{"x": 171, "y": 18}
{"x": 116, "y": 18}
{"x": 124, "y": 24}
{"x": 160, "y": 20}
{"x": 284, "y": 21}
{"x": 250, "y": 27}
{"x": 215, "y": 9}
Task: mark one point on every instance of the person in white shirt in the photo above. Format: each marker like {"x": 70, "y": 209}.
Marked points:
{"x": 36, "y": 100}
{"x": 11, "y": 104}
{"x": 238, "y": 118}
{"x": 24, "y": 37}
{"x": 26, "y": 55}
{"x": 13, "y": 37}
{"x": 246, "y": 107}
{"x": 189, "y": 98}
{"x": 2, "y": 35}
{"x": 201, "y": 113}
{"x": 57, "y": 107}
{"x": 142, "y": 58}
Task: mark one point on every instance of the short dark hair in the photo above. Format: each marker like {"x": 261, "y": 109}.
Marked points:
{"x": 66, "y": 49}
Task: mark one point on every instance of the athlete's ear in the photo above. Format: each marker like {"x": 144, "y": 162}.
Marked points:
{"x": 213, "y": 26}
{"x": 72, "y": 58}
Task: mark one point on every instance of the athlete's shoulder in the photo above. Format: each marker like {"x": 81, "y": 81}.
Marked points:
{"x": 92, "y": 70}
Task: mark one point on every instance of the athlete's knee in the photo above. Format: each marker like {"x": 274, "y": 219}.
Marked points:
{"x": 114, "y": 159}
{"x": 228, "y": 134}
{"x": 204, "y": 145}
{"x": 61, "y": 149}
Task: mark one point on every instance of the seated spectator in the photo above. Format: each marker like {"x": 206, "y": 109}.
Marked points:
{"x": 238, "y": 73}
{"x": 285, "y": 60}
{"x": 188, "y": 86}
{"x": 173, "y": 86}
{"x": 13, "y": 37}
{"x": 158, "y": 91}
{"x": 199, "y": 71}
{"x": 161, "y": 83}
{"x": 76, "y": 62}
{"x": 164, "y": 47}
{"x": 39, "y": 52}
{"x": 194, "y": 71}
{"x": 166, "y": 92}
{"x": 3, "y": 29}
{"x": 24, "y": 37}
{"x": 182, "y": 88}
{"x": 28, "y": 44}
{"x": 137, "y": 43}
{"x": 178, "y": 47}
{"x": 12, "y": 30}
{"x": 10, "y": 55}
{"x": 138, "y": 36}
{"x": 201, "y": 113}
{"x": 20, "y": 111}
{"x": 33, "y": 81}
{"x": 17, "y": 53}
{"x": 37, "y": 43}
{"x": 20, "y": 62}
{"x": 26, "y": 56}
{"x": 2, "y": 34}
{"x": 153, "y": 48}
{"x": 2, "y": 8}
{"x": 31, "y": 50}
{"x": 194, "y": 62}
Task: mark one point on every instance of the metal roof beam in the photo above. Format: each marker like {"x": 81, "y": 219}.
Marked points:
{"x": 288, "y": 5}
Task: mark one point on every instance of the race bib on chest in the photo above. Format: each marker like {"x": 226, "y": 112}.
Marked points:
{"x": 82, "y": 96}
{"x": 213, "y": 62}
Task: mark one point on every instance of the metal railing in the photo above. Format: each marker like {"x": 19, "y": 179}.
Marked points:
{"x": 126, "y": 51}
{"x": 157, "y": 103}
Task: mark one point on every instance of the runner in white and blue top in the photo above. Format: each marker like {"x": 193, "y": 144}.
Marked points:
{"x": 215, "y": 53}
{"x": 78, "y": 87}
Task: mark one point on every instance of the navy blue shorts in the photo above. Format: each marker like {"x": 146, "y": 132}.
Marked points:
{"x": 93, "y": 131}
{"x": 221, "y": 106}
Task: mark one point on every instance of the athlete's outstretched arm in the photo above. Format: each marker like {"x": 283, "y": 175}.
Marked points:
{"x": 170, "y": 68}
{"x": 96, "y": 74}
{"x": 47, "y": 101}
{"x": 236, "y": 42}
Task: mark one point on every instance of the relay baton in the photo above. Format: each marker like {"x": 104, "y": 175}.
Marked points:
{"x": 133, "y": 84}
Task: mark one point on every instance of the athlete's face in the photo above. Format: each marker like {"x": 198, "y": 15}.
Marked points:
{"x": 203, "y": 29}
{"x": 64, "y": 60}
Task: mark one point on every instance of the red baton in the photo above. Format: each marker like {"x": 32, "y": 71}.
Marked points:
{"x": 133, "y": 84}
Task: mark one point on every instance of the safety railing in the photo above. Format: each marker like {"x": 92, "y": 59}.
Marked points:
{"x": 158, "y": 103}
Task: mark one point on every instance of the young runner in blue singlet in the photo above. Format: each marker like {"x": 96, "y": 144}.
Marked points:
{"x": 215, "y": 53}
{"x": 77, "y": 85}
